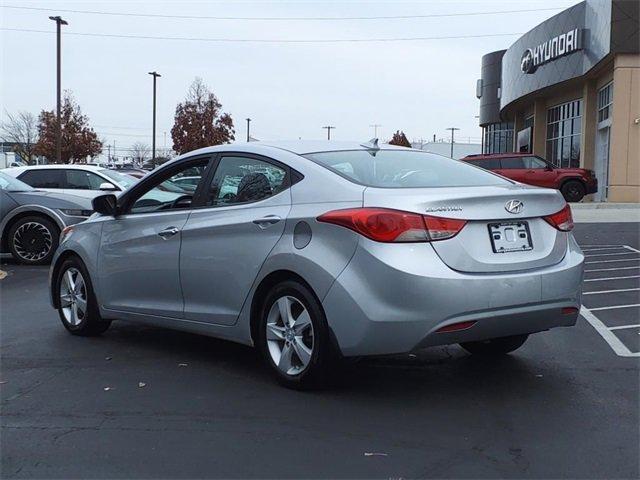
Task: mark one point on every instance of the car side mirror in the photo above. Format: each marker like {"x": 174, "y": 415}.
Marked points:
{"x": 548, "y": 168}
{"x": 105, "y": 204}
{"x": 108, "y": 187}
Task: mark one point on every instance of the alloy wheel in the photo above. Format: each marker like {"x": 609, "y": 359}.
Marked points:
{"x": 32, "y": 241}
{"x": 73, "y": 296}
{"x": 290, "y": 337}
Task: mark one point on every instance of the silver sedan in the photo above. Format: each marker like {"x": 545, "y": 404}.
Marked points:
{"x": 312, "y": 251}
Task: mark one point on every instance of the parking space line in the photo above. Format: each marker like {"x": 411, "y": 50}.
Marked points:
{"x": 610, "y": 278}
{"x": 631, "y": 248}
{"x": 615, "y": 307}
{"x": 614, "y": 342}
{"x": 622, "y": 327}
{"x": 604, "y": 245}
{"x": 612, "y": 261}
{"x": 610, "y": 269}
{"x": 618, "y": 247}
{"x": 610, "y": 254}
{"x": 611, "y": 291}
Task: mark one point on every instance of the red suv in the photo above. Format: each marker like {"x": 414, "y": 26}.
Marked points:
{"x": 574, "y": 183}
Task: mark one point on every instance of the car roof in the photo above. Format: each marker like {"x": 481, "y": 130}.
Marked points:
{"x": 299, "y": 147}
{"x": 480, "y": 156}
{"x": 77, "y": 166}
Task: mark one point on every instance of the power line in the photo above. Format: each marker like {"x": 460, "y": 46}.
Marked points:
{"x": 257, "y": 40}
{"x": 204, "y": 17}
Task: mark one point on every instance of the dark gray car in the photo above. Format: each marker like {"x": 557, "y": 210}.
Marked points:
{"x": 31, "y": 220}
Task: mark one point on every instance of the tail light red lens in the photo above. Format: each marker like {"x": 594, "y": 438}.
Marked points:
{"x": 387, "y": 225}
{"x": 562, "y": 220}
{"x": 454, "y": 327}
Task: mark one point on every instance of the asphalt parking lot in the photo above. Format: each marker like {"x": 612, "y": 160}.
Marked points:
{"x": 143, "y": 402}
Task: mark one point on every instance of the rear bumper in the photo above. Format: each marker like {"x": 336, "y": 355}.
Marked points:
{"x": 385, "y": 302}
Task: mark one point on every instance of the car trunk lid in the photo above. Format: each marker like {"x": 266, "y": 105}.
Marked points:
{"x": 485, "y": 210}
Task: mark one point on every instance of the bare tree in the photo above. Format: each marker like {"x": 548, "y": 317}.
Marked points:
{"x": 140, "y": 152}
{"x": 21, "y": 130}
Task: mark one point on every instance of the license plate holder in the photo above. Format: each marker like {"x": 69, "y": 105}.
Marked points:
{"x": 508, "y": 237}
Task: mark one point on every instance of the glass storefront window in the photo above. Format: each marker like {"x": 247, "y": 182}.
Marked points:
{"x": 564, "y": 129}
{"x": 605, "y": 102}
{"x": 498, "y": 137}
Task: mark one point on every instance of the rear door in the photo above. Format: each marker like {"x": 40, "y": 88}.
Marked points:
{"x": 540, "y": 173}
{"x": 227, "y": 239}
{"x": 513, "y": 168}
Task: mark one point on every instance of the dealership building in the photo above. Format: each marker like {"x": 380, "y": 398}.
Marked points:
{"x": 569, "y": 91}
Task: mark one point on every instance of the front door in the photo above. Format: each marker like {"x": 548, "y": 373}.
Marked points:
{"x": 139, "y": 255}
{"x": 225, "y": 242}
{"x": 602, "y": 161}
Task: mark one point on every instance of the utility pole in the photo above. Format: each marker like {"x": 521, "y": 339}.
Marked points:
{"x": 248, "y": 130}
{"x": 329, "y": 128}
{"x": 453, "y": 129}
{"x": 375, "y": 129}
{"x": 59, "y": 22}
{"x": 153, "y": 140}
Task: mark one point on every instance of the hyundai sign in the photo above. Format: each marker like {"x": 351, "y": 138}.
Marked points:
{"x": 548, "y": 51}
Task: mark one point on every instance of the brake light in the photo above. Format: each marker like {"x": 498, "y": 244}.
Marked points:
{"x": 562, "y": 220}
{"x": 387, "y": 225}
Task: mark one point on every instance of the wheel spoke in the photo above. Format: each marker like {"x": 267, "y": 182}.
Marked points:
{"x": 302, "y": 351}
{"x": 65, "y": 299}
{"x": 302, "y": 322}
{"x": 73, "y": 314}
{"x": 81, "y": 305}
{"x": 79, "y": 285}
{"x": 284, "y": 363}
{"x": 284, "y": 305}
{"x": 69, "y": 280}
{"x": 274, "y": 332}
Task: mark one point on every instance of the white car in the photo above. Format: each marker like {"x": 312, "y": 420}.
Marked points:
{"x": 82, "y": 180}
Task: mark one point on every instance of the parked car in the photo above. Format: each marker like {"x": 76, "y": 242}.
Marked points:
{"x": 77, "y": 179}
{"x": 574, "y": 183}
{"x": 31, "y": 221}
{"x": 323, "y": 250}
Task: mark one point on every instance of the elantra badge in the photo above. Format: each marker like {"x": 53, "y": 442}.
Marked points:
{"x": 514, "y": 206}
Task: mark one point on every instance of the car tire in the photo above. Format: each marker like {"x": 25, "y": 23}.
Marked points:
{"x": 573, "y": 191}
{"x": 495, "y": 346}
{"x": 299, "y": 354}
{"x": 33, "y": 240}
{"x": 76, "y": 301}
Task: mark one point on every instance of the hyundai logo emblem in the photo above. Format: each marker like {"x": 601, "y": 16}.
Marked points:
{"x": 514, "y": 206}
{"x": 526, "y": 63}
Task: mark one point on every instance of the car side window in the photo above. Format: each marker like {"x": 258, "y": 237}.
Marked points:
{"x": 534, "y": 163}
{"x": 244, "y": 180}
{"x": 489, "y": 164}
{"x": 166, "y": 192}
{"x": 43, "y": 178}
{"x": 512, "y": 163}
{"x": 82, "y": 180}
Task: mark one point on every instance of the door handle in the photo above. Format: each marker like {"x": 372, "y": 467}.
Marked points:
{"x": 264, "y": 222}
{"x": 168, "y": 232}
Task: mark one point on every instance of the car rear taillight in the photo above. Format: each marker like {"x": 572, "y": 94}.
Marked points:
{"x": 387, "y": 225}
{"x": 562, "y": 220}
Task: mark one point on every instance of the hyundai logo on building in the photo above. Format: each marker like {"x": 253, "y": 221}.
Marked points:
{"x": 563, "y": 44}
{"x": 514, "y": 206}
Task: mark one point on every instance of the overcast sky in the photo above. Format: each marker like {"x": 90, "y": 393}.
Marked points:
{"x": 290, "y": 90}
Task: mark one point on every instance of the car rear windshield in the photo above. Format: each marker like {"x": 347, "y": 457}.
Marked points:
{"x": 404, "y": 169}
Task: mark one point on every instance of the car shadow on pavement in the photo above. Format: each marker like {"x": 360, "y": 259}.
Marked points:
{"x": 439, "y": 371}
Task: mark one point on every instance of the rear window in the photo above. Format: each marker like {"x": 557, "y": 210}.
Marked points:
{"x": 486, "y": 163}
{"x": 403, "y": 169}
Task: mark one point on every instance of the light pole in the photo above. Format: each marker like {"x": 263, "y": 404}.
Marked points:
{"x": 375, "y": 129}
{"x": 248, "y": 129}
{"x": 453, "y": 129}
{"x": 153, "y": 140}
{"x": 59, "y": 22}
{"x": 329, "y": 128}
